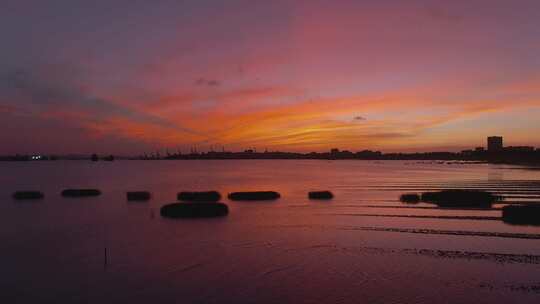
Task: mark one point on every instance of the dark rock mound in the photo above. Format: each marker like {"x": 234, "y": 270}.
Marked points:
{"x": 410, "y": 198}
{"x": 138, "y": 196}
{"x": 80, "y": 192}
{"x": 194, "y": 210}
{"x": 521, "y": 214}
{"x": 320, "y": 195}
{"x": 206, "y": 196}
{"x": 254, "y": 196}
{"x": 27, "y": 195}
{"x": 461, "y": 198}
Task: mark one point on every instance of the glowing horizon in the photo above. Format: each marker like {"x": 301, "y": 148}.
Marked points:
{"x": 284, "y": 75}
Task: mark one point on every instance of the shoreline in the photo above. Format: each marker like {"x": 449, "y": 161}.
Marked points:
{"x": 534, "y": 164}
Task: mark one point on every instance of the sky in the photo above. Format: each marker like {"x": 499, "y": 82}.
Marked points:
{"x": 134, "y": 76}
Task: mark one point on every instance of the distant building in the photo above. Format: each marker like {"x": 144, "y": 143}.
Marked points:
{"x": 519, "y": 149}
{"x": 495, "y": 143}
{"x": 479, "y": 149}
{"x": 334, "y": 151}
{"x": 467, "y": 152}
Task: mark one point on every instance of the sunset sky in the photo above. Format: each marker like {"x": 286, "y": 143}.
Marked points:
{"x": 135, "y": 76}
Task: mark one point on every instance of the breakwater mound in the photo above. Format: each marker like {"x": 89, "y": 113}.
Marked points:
{"x": 80, "y": 192}
{"x": 461, "y": 198}
{"x": 28, "y": 195}
{"x": 194, "y": 210}
{"x": 254, "y": 196}
{"x": 521, "y": 214}
{"x": 320, "y": 195}
{"x": 411, "y": 198}
{"x": 204, "y": 196}
{"x": 138, "y": 196}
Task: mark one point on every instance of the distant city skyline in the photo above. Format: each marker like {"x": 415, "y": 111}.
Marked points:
{"x": 481, "y": 145}
{"x": 124, "y": 77}
{"x": 493, "y": 151}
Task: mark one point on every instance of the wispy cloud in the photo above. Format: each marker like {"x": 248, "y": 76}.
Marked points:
{"x": 207, "y": 82}
{"x": 57, "y": 94}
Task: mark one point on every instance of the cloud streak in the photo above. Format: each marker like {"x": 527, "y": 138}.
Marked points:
{"x": 207, "y": 82}
{"x": 57, "y": 96}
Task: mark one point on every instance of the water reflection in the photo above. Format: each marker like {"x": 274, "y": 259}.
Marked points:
{"x": 364, "y": 245}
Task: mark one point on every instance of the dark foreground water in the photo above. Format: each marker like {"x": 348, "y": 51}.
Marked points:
{"x": 362, "y": 247}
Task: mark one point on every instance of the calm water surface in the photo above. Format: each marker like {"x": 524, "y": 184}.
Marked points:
{"x": 362, "y": 247}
